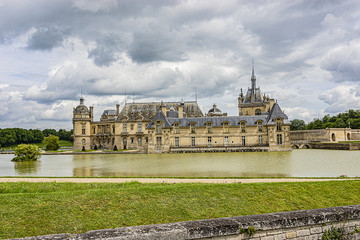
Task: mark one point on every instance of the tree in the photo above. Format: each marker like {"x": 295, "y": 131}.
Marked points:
{"x": 48, "y": 132}
{"x": 52, "y": 143}
{"x": 27, "y": 152}
{"x": 297, "y": 124}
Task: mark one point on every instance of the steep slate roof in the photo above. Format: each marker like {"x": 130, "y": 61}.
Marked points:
{"x": 277, "y": 112}
{"x": 218, "y": 121}
{"x": 266, "y": 118}
{"x": 109, "y": 112}
{"x": 160, "y": 116}
{"x": 250, "y": 97}
{"x": 147, "y": 111}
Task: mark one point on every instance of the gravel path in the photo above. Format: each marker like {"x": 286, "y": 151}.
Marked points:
{"x": 169, "y": 180}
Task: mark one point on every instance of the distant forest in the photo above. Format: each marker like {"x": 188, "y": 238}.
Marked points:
{"x": 14, "y": 136}
{"x": 342, "y": 120}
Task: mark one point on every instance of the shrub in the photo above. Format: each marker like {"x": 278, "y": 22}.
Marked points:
{"x": 115, "y": 148}
{"x": 83, "y": 149}
{"x": 52, "y": 143}
{"x": 26, "y": 152}
{"x": 95, "y": 147}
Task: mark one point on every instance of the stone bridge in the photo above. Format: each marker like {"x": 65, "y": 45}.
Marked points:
{"x": 301, "y": 144}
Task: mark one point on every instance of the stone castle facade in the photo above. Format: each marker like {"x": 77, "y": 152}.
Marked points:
{"x": 161, "y": 127}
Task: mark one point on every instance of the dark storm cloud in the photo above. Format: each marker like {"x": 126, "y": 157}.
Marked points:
{"x": 47, "y": 38}
{"x": 154, "y": 45}
{"x": 107, "y": 50}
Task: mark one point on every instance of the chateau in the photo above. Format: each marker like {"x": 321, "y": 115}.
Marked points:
{"x": 162, "y": 127}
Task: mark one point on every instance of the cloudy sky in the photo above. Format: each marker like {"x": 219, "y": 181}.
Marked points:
{"x": 307, "y": 55}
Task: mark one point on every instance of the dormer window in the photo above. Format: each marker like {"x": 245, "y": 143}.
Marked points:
{"x": 257, "y": 112}
{"x": 260, "y": 126}
{"x": 158, "y": 129}
{"x": 176, "y": 125}
{"x": 192, "y": 127}
{"x": 278, "y": 126}
{"x": 208, "y": 126}
{"x": 226, "y": 127}
{"x": 124, "y": 127}
{"x": 242, "y": 126}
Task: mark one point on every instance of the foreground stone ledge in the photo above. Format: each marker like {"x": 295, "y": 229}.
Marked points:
{"x": 305, "y": 224}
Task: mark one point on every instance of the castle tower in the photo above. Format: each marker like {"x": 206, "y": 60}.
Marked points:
{"x": 82, "y": 118}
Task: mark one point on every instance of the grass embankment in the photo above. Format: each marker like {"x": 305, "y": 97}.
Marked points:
{"x": 29, "y": 209}
{"x": 62, "y": 143}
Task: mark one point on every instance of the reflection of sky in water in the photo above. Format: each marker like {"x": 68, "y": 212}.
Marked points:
{"x": 298, "y": 163}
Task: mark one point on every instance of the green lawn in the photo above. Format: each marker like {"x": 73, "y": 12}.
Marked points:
{"x": 29, "y": 209}
{"x": 63, "y": 143}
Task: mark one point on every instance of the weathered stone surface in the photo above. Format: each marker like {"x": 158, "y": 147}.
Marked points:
{"x": 300, "y": 225}
{"x": 210, "y": 228}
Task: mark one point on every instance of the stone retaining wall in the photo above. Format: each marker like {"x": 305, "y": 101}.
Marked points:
{"x": 218, "y": 149}
{"x": 299, "y": 225}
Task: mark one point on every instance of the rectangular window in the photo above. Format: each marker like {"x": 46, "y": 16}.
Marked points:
{"x": 209, "y": 141}
{"x": 279, "y": 139}
{"x": 226, "y": 141}
{"x": 158, "y": 143}
{"x": 260, "y": 139}
{"x": 192, "y": 127}
{"x": 176, "y": 128}
{"x": 209, "y": 127}
{"x": 176, "y": 141}
{"x": 278, "y": 126}
{"x": 139, "y": 127}
{"x": 242, "y": 126}
{"x": 243, "y": 142}
{"x": 139, "y": 141}
{"x": 125, "y": 127}
{"x": 94, "y": 130}
{"x": 104, "y": 129}
{"x": 113, "y": 129}
{"x": 83, "y": 129}
{"x": 193, "y": 141}
{"x": 158, "y": 129}
{"x": 260, "y": 126}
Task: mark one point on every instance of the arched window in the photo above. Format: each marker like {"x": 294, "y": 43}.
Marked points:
{"x": 83, "y": 141}
{"x": 208, "y": 126}
{"x": 257, "y": 112}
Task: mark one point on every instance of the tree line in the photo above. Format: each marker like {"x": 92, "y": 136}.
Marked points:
{"x": 14, "y": 136}
{"x": 342, "y": 120}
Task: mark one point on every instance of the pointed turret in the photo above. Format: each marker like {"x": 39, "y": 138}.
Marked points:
{"x": 253, "y": 78}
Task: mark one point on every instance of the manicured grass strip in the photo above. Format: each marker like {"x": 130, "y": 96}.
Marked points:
{"x": 29, "y": 209}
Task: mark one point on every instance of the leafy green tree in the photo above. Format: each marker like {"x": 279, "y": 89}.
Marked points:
{"x": 48, "y": 132}
{"x": 52, "y": 143}
{"x": 37, "y": 135}
{"x": 26, "y": 152}
{"x": 297, "y": 124}
{"x": 340, "y": 123}
{"x": 7, "y": 137}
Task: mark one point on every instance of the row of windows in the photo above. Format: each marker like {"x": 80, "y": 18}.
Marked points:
{"x": 226, "y": 140}
{"x": 192, "y": 127}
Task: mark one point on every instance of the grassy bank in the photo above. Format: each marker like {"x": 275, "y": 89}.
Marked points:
{"x": 29, "y": 209}
{"x": 62, "y": 143}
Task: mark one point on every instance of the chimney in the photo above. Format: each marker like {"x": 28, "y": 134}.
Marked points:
{"x": 181, "y": 110}
{"x": 163, "y": 108}
{"x": 117, "y": 109}
{"x": 91, "y": 112}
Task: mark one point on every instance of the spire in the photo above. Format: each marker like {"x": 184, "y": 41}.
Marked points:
{"x": 253, "y": 78}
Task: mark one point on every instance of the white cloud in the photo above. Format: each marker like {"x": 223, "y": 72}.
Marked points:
{"x": 306, "y": 55}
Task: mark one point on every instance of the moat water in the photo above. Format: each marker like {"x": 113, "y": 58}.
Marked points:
{"x": 297, "y": 163}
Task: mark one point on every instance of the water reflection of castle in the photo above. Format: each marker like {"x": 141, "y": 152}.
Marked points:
{"x": 182, "y": 127}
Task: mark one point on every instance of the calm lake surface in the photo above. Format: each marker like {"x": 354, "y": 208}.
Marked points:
{"x": 298, "y": 163}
